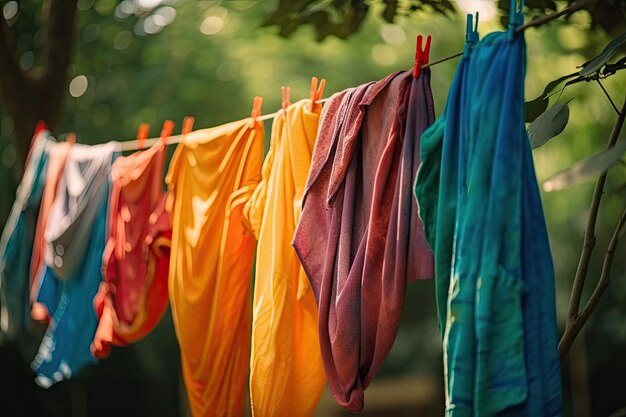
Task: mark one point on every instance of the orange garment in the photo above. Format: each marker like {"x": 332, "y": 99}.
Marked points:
{"x": 212, "y": 175}
{"x": 286, "y": 370}
{"x": 56, "y": 164}
{"x": 133, "y": 297}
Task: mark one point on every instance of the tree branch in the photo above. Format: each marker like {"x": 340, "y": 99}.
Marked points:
{"x": 61, "y": 20}
{"x": 540, "y": 21}
{"x": 577, "y": 324}
{"x": 588, "y": 246}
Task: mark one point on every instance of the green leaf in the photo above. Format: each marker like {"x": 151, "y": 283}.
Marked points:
{"x": 587, "y": 168}
{"x": 548, "y": 124}
{"x": 593, "y": 66}
{"x": 391, "y": 9}
{"x": 539, "y": 105}
{"x": 535, "y": 108}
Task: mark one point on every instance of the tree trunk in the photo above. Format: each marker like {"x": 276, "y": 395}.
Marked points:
{"x": 37, "y": 94}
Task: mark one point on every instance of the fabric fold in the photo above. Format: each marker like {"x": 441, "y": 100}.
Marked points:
{"x": 212, "y": 175}
{"x": 286, "y": 370}
{"x": 480, "y": 202}
{"x": 360, "y": 239}
{"x": 75, "y": 238}
{"x": 134, "y": 294}
{"x": 16, "y": 244}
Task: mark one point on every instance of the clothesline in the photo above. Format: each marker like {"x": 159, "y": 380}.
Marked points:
{"x": 130, "y": 145}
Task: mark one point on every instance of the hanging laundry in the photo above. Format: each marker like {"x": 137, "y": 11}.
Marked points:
{"x": 359, "y": 238}
{"x": 16, "y": 243}
{"x": 75, "y": 236}
{"x": 57, "y": 156}
{"x": 133, "y": 297}
{"x": 286, "y": 372}
{"x": 480, "y": 202}
{"x": 212, "y": 175}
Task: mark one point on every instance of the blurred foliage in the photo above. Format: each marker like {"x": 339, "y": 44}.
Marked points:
{"x": 150, "y": 60}
{"x": 342, "y": 18}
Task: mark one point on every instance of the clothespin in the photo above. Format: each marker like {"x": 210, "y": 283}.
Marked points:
{"x": 421, "y": 55}
{"x": 187, "y": 125}
{"x": 285, "y": 93}
{"x": 257, "y": 103}
{"x": 70, "y": 138}
{"x": 316, "y": 92}
{"x": 142, "y": 134}
{"x": 167, "y": 129}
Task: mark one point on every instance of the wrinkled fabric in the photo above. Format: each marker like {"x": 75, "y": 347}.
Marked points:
{"x": 58, "y": 155}
{"x": 359, "y": 238}
{"x": 480, "y": 202}
{"x": 77, "y": 218}
{"x": 211, "y": 177}
{"x": 16, "y": 243}
{"x": 286, "y": 370}
{"x": 134, "y": 296}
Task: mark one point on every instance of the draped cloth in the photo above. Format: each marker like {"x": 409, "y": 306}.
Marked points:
{"x": 360, "y": 239}
{"x": 286, "y": 372}
{"x": 75, "y": 237}
{"x": 211, "y": 177}
{"x": 134, "y": 296}
{"x": 480, "y": 202}
{"x": 16, "y": 243}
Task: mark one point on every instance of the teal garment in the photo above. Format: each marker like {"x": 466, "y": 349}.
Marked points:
{"x": 480, "y": 204}
{"x": 16, "y": 246}
{"x": 77, "y": 217}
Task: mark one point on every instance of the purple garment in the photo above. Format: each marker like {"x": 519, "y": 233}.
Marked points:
{"x": 360, "y": 238}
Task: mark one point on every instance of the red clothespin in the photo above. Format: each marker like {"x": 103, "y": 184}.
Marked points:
{"x": 316, "y": 92}
{"x": 142, "y": 134}
{"x": 285, "y": 93}
{"x": 421, "y": 55}
{"x": 187, "y": 125}
{"x": 167, "y": 129}
{"x": 257, "y": 103}
{"x": 40, "y": 127}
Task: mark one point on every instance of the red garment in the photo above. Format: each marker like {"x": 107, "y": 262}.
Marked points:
{"x": 360, "y": 238}
{"x": 133, "y": 297}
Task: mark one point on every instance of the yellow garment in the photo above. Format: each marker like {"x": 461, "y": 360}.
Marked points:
{"x": 286, "y": 371}
{"x": 212, "y": 175}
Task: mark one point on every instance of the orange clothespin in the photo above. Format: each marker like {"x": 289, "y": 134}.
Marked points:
{"x": 187, "y": 124}
{"x": 285, "y": 93}
{"x": 142, "y": 134}
{"x": 257, "y": 103}
{"x": 421, "y": 55}
{"x": 70, "y": 138}
{"x": 316, "y": 92}
{"x": 167, "y": 129}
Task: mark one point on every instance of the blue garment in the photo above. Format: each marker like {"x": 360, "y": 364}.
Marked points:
{"x": 480, "y": 203}
{"x": 16, "y": 245}
{"x": 78, "y": 217}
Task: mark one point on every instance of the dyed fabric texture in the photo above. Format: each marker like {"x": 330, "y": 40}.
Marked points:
{"x": 212, "y": 175}
{"x": 480, "y": 203}
{"x": 76, "y": 227}
{"x": 16, "y": 244}
{"x": 134, "y": 296}
{"x": 360, "y": 239}
{"x": 286, "y": 371}
{"x": 57, "y": 156}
